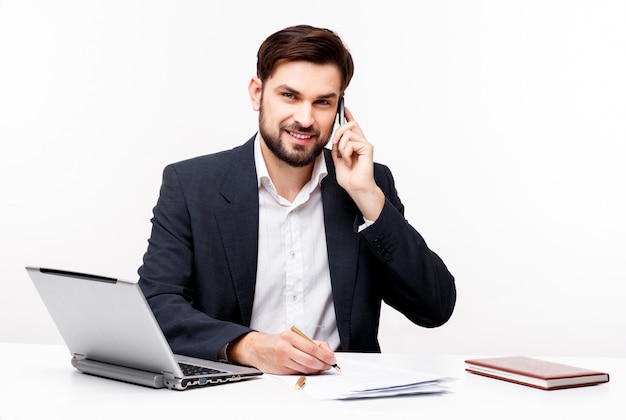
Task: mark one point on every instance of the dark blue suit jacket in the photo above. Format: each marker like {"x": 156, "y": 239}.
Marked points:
{"x": 199, "y": 271}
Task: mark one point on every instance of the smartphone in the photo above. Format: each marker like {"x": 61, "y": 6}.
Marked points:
{"x": 341, "y": 116}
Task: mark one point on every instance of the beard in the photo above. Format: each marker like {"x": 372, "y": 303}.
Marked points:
{"x": 297, "y": 155}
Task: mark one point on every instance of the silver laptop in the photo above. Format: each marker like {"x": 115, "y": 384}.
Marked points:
{"x": 111, "y": 331}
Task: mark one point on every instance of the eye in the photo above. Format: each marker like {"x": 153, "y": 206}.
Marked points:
{"x": 288, "y": 95}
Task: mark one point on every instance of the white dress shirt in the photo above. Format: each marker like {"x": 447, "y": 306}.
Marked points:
{"x": 293, "y": 279}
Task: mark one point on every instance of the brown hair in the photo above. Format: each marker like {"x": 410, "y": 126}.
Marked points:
{"x": 304, "y": 43}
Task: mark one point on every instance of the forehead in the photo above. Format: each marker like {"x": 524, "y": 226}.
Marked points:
{"x": 306, "y": 77}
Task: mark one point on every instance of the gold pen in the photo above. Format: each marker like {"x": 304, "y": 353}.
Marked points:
{"x": 301, "y": 334}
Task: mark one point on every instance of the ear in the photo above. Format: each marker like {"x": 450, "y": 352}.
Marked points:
{"x": 255, "y": 89}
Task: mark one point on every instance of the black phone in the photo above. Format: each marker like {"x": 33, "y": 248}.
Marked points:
{"x": 341, "y": 116}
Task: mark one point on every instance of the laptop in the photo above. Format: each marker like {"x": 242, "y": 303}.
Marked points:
{"x": 111, "y": 332}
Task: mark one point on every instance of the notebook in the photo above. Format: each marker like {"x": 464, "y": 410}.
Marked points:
{"x": 111, "y": 332}
{"x": 537, "y": 373}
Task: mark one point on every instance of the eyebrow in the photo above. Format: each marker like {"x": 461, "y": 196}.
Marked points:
{"x": 289, "y": 89}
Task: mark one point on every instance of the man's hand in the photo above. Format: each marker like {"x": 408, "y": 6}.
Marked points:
{"x": 285, "y": 354}
{"x": 354, "y": 163}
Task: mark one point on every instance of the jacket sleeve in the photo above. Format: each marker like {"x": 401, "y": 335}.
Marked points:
{"x": 169, "y": 282}
{"x": 414, "y": 280}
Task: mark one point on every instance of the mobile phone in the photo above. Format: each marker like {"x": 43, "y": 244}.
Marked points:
{"x": 341, "y": 116}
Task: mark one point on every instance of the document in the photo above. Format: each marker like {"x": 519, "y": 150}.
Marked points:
{"x": 359, "y": 379}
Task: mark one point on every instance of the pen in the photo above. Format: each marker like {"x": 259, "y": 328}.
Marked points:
{"x": 301, "y": 334}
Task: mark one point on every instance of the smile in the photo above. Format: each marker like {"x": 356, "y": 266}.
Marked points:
{"x": 300, "y": 136}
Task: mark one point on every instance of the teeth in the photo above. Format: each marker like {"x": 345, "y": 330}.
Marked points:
{"x": 300, "y": 136}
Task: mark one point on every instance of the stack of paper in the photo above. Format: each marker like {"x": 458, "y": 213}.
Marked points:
{"x": 367, "y": 380}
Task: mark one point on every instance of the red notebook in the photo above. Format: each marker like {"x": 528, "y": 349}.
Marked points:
{"x": 535, "y": 372}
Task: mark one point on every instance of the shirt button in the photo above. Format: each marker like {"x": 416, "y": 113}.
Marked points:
{"x": 292, "y": 254}
{"x": 294, "y": 297}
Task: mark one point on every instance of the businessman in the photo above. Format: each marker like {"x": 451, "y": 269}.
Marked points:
{"x": 292, "y": 228}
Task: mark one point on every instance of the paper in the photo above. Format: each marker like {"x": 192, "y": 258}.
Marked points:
{"x": 367, "y": 380}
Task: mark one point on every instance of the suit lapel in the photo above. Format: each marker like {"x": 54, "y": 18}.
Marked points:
{"x": 238, "y": 224}
{"x": 342, "y": 244}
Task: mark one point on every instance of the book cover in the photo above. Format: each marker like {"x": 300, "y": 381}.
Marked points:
{"x": 535, "y": 372}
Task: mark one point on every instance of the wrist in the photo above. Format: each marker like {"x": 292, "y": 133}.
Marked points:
{"x": 370, "y": 203}
{"x": 239, "y": 351}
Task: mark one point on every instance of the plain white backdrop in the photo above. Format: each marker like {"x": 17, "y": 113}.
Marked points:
{"x": 504, "y": 124}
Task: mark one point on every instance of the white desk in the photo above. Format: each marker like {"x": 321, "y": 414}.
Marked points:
{"x": 38, "y": 382}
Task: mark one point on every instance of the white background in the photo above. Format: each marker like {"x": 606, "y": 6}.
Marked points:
{"x": 504, "y": 123}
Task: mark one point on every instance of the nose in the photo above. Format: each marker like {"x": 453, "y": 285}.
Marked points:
{"x": 303, "y": 115}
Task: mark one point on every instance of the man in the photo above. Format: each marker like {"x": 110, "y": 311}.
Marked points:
{"x": 283, "y": 232}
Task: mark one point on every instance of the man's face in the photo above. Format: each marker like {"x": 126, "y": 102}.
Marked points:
{"x": 297, "y": 107}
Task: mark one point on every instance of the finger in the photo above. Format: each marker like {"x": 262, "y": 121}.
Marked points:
{"x": 343, "y": 148}
{"x": 348, "y": 114}
{"x": 315, "y": 355}
{"x": 336, "y": 150}
{"x": 327, "y": 354}
{"x": 307, "y": 363}
{"x": 324, "y": 346}
{"x": 343, "y": 129}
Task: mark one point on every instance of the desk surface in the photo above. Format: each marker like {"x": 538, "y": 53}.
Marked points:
{"x": 37, "y": 381}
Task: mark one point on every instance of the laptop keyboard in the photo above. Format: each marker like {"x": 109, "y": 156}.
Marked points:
{"x": 194, "y": 370}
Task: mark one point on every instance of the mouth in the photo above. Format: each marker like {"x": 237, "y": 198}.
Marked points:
{"x": 300, "y": 137}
